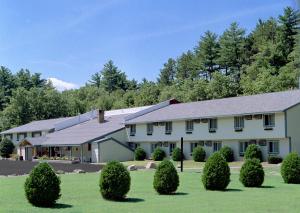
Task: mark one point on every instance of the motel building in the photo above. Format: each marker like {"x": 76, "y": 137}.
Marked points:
{"x": 269, "y": 120}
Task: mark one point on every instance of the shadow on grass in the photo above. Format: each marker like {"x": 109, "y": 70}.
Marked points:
{"x": 132, "y": 200}
{"x": 174, "y": 194}
{"x": 233, "y": 190}
{"x": 61, "y": 206}
{"x": 180, "y": 193}
{"x": 267, "y": 187}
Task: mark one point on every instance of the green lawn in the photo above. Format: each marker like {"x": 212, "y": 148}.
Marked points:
{"x": 80, "y": 193}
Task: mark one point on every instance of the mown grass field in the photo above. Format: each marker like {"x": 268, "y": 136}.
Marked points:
{"x": 80, "y": 193}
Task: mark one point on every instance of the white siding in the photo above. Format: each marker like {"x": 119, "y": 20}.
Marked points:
{"x": 293, "y": 131}
{"x": 111, "y": 150}
{"x": 233, "y": 144}
{"x": 253, "y": 129}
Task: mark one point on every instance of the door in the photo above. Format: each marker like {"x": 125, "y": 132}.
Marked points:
{"x": 28, "y": 153}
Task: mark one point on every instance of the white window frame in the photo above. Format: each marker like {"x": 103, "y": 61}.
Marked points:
{"x": 243, "y": 145}
{"x": 193, "y": 145}
{"x": 168, "y": 127}
{"x": 8, "y": 136}
{"x": 21, "y": 134}
{"x": 189, "y": 126}
{"x": 36, "y": 134}
{"x": 271, "y": 120}
{"x": 149, "y": 128}
{"x": 212, "y": 125}
{"x": 132, "y": 129}
{"x": 155, "y": 145}
{"x": 172, "y": 146}
{"x": 217, "y": 145}
{"x": 239, "y": 122}
{"x": 133, "y": 145}
{"x": 275, "y": 145}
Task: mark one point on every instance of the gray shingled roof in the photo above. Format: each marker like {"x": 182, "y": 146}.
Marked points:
{"x": 85, "y": 132}
{"x": 36, "y": 126}
{"x": 263, "y": 103}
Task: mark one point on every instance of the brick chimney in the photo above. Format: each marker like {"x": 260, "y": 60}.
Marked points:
{"x": 100, "y": 115}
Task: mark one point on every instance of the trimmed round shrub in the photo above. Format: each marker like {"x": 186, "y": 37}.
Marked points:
{"x": 227, "y": 153}
{"x": 158, "y": 154}
{"x": 176, "y": 154}
{"x": 114, "y": 181}
{"x": 252, "y": 173}
{"x": 199, "y": 154}
{"x": 139, "y": 154}
{"x": 290, "y": 168}
{"x": 216, "y": 173}
{"x": 253, "y": 151}
{"x": 274, "y": 159}
{"x": 6, "y": 148}
{"x": 166, "y": 179}
{"x": 42, "y": 186}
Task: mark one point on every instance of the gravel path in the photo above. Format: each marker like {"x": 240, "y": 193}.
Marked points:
{"x": 8, "y": 167}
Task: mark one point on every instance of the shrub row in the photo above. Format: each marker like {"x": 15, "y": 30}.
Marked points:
{"x": 199, "y": 154}
{"x": 42, "y": 187}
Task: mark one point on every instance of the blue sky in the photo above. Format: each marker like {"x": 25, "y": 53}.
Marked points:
{"x": 70, "y": 40}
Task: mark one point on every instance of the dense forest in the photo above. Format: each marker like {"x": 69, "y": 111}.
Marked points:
{"x": 231, "y": 64}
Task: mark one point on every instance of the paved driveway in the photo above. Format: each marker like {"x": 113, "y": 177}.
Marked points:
{"x": 8, "y": 167}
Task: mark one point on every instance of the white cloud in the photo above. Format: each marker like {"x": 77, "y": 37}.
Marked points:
{"x": 62, "y": 85}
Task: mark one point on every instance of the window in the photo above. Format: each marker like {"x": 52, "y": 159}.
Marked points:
{"x": 212, "y": 125}
{"x": 172, "y": 146}
{"x": 269, "y": 120}
{"x": 189, "y": 126}
{"x": 133, "y": 145}
{"x": 36, "y": 134}
{"x": 243, "y": 147}
{"x": 132, "y": 130}
{"x": 9, "y": 136}
{"x": 154, "y": 146}
{"x": 168, "y": 128}
{"x": 273, "y": 147}
{"x": 21, "y": 136}
{"x": 194, "y": 145}
{"x": 149, "y": 129}
{"x": 217, "y": 146}
{"x": 238, "y": 123}
{"x": 89, "y": 146}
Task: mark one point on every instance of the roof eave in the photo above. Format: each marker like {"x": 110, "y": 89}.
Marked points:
{"x": 203, "y": 117}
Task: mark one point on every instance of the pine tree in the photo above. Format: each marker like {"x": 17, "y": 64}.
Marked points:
{"x": 207, "y": 52}
{"x": 167, "y": 73}
{"x": 287, "y": 31}
{"x": 232, "y": 46}
{"x": 96, "y": 79}
{"x": 113, "y": 78}
{"x": 187, "y": 67}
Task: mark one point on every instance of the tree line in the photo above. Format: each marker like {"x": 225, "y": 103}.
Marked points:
{"x": 231, "y": 64}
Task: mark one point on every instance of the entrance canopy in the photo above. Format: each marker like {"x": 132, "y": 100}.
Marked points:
{"x": 38, "y": 141}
